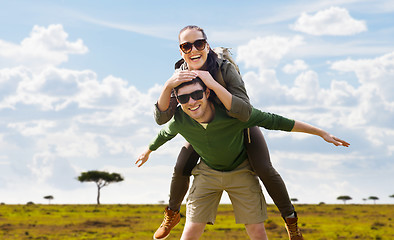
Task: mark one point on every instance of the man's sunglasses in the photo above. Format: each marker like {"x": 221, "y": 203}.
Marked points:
{"x": 187, "y": 46}
{"x": 196, "y": 95}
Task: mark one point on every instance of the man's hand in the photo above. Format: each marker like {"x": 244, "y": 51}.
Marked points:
{"x": 334, "y": 140}
{"x": 143, "y": 157}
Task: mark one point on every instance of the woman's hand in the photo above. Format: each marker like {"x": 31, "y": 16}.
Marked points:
{"x": 222, "y": 93}
{"x": 207, "y": 78}
{"x": 180, "y": 77}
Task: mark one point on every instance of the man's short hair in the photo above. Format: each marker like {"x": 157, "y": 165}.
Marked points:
{"x": 194, "y": 81}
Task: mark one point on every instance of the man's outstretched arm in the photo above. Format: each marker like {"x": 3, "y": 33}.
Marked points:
{"x": 307, "y": 128}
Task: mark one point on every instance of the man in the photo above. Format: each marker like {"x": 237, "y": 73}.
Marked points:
{"x": 218, "y": 139}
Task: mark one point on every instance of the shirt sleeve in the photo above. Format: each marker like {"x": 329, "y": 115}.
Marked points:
{"x": 166, "y": 134}
{"x": 240, "y": 105}
{"x": 270, "y": 121}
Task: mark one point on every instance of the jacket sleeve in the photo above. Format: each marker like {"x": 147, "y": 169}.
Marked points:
{"x": 240, "y": 106}
{"x": 162, "y": 117}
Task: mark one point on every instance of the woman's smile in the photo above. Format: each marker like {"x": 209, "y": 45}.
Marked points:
{"x": 195, "y": 57}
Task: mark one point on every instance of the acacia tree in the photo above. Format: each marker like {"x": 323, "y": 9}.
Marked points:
{"x": 374, "y": 198}
{"x": 101, "y": 179}
{"x": 344, "y": 198}
{"x": 49, "y": 198}
{"x": 392, "y": 196}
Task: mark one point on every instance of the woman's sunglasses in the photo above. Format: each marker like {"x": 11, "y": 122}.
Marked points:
{"x": 187, "y": 46}
{"x": 196, "y": 95}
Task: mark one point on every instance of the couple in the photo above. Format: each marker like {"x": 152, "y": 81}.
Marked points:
{"x": 214, "y": 127}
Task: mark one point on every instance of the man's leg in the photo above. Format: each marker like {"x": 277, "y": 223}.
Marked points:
{"x": 249, "y": 205}
{"x": 256, "y": 231}
{"x": 203, "y": 200}
{"x": 192, "y": 230}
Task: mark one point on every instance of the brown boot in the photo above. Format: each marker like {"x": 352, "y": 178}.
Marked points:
{"x": 171, "y": 219}
{"x": 292, "y": 228}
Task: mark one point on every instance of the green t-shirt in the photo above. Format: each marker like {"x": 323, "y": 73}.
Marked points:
{"x": 221, "y": 144}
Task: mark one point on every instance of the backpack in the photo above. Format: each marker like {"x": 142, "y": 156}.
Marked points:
{"x": 225, "y": 54}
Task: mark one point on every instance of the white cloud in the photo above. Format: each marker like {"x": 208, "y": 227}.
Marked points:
{"x": 49, "y": 89}
{"x": 44, "y": 47}
{"x": 58, "y": 122}
{"x": 42, "y": 166}
{"x": 306, "y": 87}
{"x": 375, "y": 92}
{"x": 32, "y": 128}
{"x": 375, "y": 74}
{"x": 297, "y": 66}
{"x": 369, "y": 104}
{"x": 155, "y": 30}
{"x": 332, "y": 21}
{"x": 268, "y": 51}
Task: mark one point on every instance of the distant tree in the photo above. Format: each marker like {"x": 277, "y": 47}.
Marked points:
{"x": 294, "y": 199}
{"x": 101, "y": 179}
{"x": 344, "y": 198}
{"x": 374, "y": 198}
{"x": 365, "y": 200}
{"x": 49, "y": 198}
{"x": 392, "y": 196}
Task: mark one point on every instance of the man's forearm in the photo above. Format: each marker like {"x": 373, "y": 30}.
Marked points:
{"x": 307, "y": 128}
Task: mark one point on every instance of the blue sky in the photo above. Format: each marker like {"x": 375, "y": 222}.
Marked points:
{"x": 78, "y": 80}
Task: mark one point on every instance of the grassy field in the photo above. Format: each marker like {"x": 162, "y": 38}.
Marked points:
{"x": 318, "y": 222}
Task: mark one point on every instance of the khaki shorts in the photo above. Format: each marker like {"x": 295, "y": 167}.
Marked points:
{"x": 242, "y": 186}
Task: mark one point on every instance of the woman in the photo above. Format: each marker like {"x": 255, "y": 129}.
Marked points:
{"x": 220, "y": 76}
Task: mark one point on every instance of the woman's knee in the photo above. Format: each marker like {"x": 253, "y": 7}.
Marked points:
{"x": 186, "y": 161}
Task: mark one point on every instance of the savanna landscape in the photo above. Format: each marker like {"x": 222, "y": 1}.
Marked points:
{"x": 317, "y": 222}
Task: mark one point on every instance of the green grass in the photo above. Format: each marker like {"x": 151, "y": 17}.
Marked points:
{"x": 317, "y": 222}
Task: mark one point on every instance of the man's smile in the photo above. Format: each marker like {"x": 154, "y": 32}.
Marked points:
{"x": 194, "y": 108}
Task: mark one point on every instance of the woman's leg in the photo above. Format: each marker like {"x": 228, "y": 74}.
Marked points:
{"x": 259, "y": 159}
{"x": 187, "y": 160}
